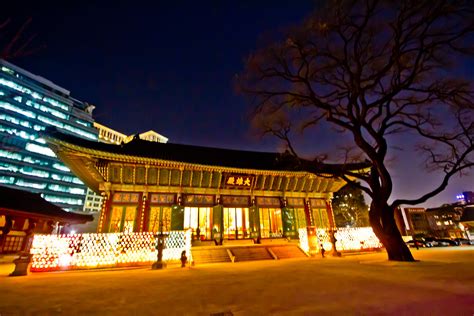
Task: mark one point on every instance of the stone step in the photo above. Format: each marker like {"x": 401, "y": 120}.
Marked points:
{"x": 287, "y": 252}
{"x": 210, "y": 255}
{"x": 251, "y": 253}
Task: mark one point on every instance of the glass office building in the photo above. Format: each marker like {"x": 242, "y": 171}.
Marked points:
{"x": 28, "y": 105}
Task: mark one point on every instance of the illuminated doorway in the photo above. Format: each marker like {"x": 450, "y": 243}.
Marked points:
{"x": 198, "y": 217}
{"x": 236, "y": 222}
{"x": 160, "y": 219}
{"x": 271, "y": 224}
{"x": 122, "y": 219}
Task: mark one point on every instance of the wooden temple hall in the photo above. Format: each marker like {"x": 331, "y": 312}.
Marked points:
{"x": 220, "y": 194}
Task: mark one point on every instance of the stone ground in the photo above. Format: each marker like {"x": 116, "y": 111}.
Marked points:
{"x": 442, "y": 283}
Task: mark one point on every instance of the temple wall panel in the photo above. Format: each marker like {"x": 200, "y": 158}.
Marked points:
{"x": 164, "y": 177}
{"x": 216, "y": 179}
{"x": 175, "y": 177}
{"x": 140, "y": 173}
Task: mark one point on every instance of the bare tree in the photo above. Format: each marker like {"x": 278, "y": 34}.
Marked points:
{"x": 14, "y": 41}
{"x": 375, "y": 70}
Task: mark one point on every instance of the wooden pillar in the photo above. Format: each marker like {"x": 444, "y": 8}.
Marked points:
{"x": 332, "y": 222}
{"x": 104, "y": 213}
{"x": 145, "y": 212}
{"x": 307, "y": 213}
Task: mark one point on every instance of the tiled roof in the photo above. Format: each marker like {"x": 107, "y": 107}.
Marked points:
{"x": 24, "y": 201}
{"x": 209, "y": 156}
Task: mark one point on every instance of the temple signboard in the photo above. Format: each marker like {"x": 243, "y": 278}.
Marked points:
{"x": 240, "y": 181}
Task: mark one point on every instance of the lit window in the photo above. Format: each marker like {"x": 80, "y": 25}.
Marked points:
{"x": 80, "y": 132}
{"x": 49, "y": 121}
{"x": 77, "y": 191}
{"x": 8, "y": 167}
{"x": 47, "y": 109}
{"x": 10, "y": 155}
{"x": 14, "y": 86}
{"x": 58, "y": 199}
{"x": 8, "y": 70}
{"x": 56, "y": 103}
{"x": 28, "y": 184}
{"x": 34, "y": 172}
{"x": 10, "y": 107}
{"x": 86, "y": 124}
{"x": 40, "y": 150}
{"x": 7, "y": 180}
{"x": 60, "y": 167}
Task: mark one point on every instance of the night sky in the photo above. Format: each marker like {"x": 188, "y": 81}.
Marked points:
{"x": 169, "y": 67}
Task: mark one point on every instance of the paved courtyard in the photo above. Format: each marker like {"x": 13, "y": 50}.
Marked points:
{"x": 442, "y": 283}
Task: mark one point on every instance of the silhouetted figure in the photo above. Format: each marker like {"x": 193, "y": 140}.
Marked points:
{"x": 198, "y": 233}
{"x": 322, "y": 250}
{"x": 183, "y": 259}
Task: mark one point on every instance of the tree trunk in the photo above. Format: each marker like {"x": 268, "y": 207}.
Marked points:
{"x": 382, "y": 220}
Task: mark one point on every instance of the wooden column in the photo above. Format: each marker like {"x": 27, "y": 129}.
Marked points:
{"x": 145, "y": 212}
{"x": 307, "y": 213}
{"x": 105, "y": 213}
{"x": 332, "y": 222}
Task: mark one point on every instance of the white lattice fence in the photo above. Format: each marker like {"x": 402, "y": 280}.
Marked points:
{"x": 357, "y": 238}
{"x": 55, "y": 252}
{"x": 360, "y": 238}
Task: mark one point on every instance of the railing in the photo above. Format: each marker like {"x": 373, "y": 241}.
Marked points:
{"x": 76, "y": 251}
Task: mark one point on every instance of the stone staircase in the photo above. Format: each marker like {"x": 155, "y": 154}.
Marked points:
{"x": 250, "y": 253}
{"x": 287, "y": 251}
{"x": 210, "y": 255}
{"x": 240, "y": 253}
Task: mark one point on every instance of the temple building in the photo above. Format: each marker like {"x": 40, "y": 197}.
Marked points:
{"x": 220, "y": 194}
{"x": 23, "y": 214}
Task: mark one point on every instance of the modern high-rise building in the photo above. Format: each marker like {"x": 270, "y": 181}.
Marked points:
{"x": 28, "y": 105}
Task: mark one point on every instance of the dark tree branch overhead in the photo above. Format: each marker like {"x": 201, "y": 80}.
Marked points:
{"x": 14, "y": 40}
{"x": 374, "y": 69}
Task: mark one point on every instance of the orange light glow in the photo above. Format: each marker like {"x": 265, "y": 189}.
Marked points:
{"x": 63, "y": 252}
{"x": 360, "y": 238}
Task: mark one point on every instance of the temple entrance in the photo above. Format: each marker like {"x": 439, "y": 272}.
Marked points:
{"x": 236, "y": 222}
{"x": 122, "y": 219}
{"x": 160, "y": 219}
{"x": 271, "y": 224}
{"x": 198, "y": 217}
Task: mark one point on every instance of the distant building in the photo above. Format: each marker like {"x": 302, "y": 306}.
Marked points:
{"x": 412, "y": 221}
{"x": 28, "y": 105}
{"x": 444, "y": 220}
{"x": 111, "y": 136}
{"x": 108, "y": 135}
{"x": 454, "y": 220}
